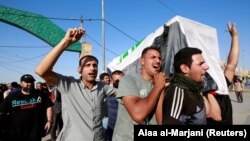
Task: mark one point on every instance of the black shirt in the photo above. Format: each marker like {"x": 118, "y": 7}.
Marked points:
{"x": 26, "y": 115}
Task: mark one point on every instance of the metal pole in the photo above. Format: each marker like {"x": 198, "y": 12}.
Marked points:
{"x": 81, "y": 25}
{"x": 103, "y": 37}
{"x": 243, "y": 63}
{"x": 83, "y": 37}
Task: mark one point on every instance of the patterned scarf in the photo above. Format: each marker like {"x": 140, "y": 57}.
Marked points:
{"x": 191, "y": 87}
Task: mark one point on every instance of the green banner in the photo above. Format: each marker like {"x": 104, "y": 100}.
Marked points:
{"x": 37, "y": 25}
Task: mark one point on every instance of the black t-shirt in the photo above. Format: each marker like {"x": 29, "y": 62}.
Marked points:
{"x": 226, "y": 109}
{"x": 26, "y": 115}
{"x": 180, "y": 107}
{"x": 1, "y": 98}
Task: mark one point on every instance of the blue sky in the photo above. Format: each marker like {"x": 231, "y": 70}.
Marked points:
{"x": 136, "y": 18}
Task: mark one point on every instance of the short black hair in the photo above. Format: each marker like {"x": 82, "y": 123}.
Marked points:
{"x": 184, "y": 56}
{"x": 14, "y": 84}
{"x": 87, "y": 56}
{"x": 145, "y": 50}
{"x": 102, "y": 75}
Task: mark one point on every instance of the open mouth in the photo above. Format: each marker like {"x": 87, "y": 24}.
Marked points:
{"x": 92, "y": 74}
{"x": 157, "y": 68}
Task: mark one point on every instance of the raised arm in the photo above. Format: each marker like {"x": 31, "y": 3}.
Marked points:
{"x": 44, "y": 68}
{"x": 234, "y": 52}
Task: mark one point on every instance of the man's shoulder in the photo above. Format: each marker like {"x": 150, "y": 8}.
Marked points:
{"x": 131, "y": 77}
{"x": 67, "y": 78}
{"x": 37, "y": 92}
{"x": 174, "y": 89}
{"x": 14, "y": 91}
{"x": 16, "y": 95}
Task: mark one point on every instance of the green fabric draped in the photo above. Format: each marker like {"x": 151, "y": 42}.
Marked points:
{"x": 191, "y": 87}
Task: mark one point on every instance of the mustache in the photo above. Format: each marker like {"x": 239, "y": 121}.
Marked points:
{"x": 29, "y": 89}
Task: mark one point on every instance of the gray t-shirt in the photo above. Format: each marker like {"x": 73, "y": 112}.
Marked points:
{"x": 82, "y": 109}
{"x": 130, "y": 85}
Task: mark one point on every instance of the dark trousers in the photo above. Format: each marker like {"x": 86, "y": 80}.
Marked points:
{"x": 239, "y": 96}
{"x": 110, "y": 134}
{"x": 56, "y": 126}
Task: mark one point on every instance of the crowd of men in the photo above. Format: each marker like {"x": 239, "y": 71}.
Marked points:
{"x": 108, "y": 109}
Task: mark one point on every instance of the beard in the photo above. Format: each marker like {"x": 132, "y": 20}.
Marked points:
{"x": 28, "y": 89}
